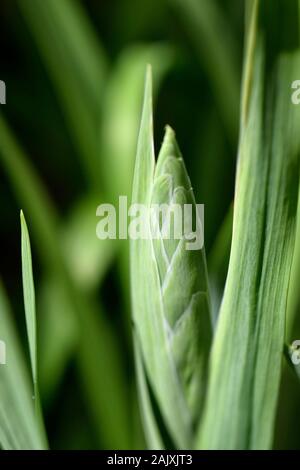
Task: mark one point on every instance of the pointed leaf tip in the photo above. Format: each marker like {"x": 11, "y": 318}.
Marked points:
{"x": 145, "y": 158}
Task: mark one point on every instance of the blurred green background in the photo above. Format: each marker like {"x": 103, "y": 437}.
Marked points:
{"x": 74, "y": 74}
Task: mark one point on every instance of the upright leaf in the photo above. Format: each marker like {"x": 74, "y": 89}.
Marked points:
{"x": 154, "y": 438}
{"x": 30, "y": 314}
{"x": 245, "y": 364}
{"x": 29, "y": 297}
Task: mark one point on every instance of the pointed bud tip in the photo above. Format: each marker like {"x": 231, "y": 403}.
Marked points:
{"x": 169, "y": 146}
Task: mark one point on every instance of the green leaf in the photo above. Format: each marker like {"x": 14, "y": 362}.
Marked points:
{"x": 145, "y": 159}
{"x": 173, "y": 327}
{"x": 151, "y": 427}
{"x": 245, "y": 363}
{"x": 19, "y": 428}
{"x": 29, "y": 297}
{"x": 30, "y": 314}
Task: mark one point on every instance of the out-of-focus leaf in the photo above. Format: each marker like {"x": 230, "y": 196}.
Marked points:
{"x": 151, "y": 428}
{"x": 293, "y": 308}
{"x": 245, "y": 364}
{"x": 218, "y": 263}
{"x": 76, "y": 63}
{"x": 88, "y": 258}
{"x": 32, "y": 196}
{"x": 206, "y": 24}
{"x": 58, "y": 335}
{"x": 292, "y": 354}
{"x": 19, "y": 428}
{"x": 34, "y": 199}
{"x": 211, "y": 170}
{"x": 121, "y": 110}
{"x": 99, "y": 357}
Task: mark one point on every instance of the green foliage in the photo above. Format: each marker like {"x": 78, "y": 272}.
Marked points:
{"x": 30, "y": 314}
{"x": 247, "y": 351}
{"x": 208, "y": 343}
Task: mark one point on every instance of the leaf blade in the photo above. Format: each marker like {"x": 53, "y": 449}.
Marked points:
{"x": 29, "y": 296}
{"x": 30, "y": 315}
{"x": 247, "y": 352}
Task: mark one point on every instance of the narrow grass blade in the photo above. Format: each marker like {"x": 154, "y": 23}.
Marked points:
{"x": 30, "y": 314}
{"x": 245, "y": 364}
{"x": 173, "y": 328}
{"x": 29, "y": 297}
{"x": 19, "y": 428}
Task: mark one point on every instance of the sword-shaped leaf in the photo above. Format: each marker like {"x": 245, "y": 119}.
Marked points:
{"x": 245, "y": 364}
